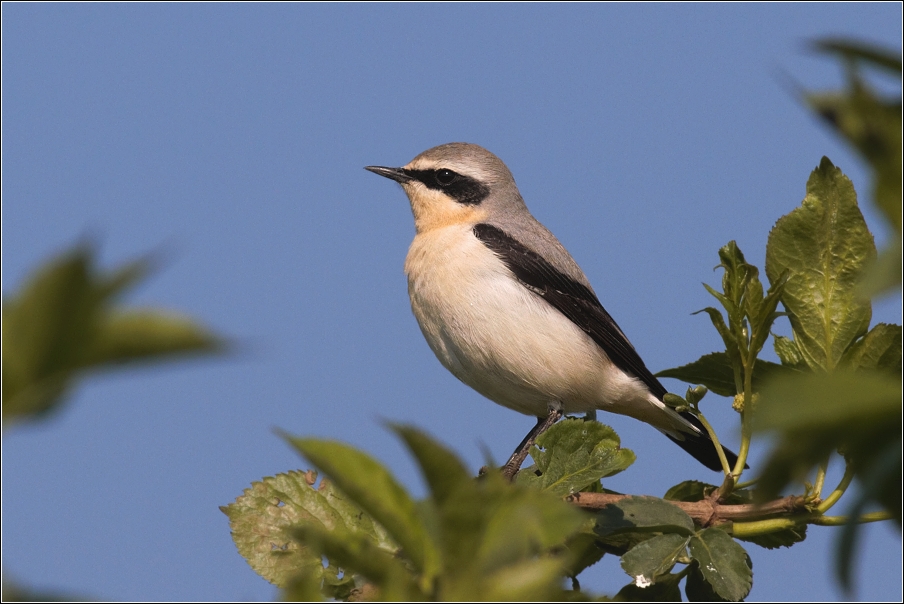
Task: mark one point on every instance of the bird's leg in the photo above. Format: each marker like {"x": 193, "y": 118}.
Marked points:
{"x": 512, "y": 466}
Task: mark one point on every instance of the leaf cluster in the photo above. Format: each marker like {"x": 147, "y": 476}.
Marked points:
{"x": 471, "y": 539}
{"x": 65, "y": 321}
{"x": 360, "y": 535}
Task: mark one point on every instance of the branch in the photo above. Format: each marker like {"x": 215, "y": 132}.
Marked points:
{"x": 706, "y": 512}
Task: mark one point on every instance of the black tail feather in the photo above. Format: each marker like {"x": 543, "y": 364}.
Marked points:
{"x": 701, "y": 447}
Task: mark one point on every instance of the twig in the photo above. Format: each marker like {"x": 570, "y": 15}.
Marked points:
{"x": 706, "y": 512}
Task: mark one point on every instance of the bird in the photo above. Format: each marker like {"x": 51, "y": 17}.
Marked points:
{"x": 507, "y": 310}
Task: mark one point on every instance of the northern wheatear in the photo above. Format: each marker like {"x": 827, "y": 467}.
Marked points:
{"x": 507, "y": 310}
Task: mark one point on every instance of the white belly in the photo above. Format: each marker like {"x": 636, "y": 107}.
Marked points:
{"x": 503, "y": 340}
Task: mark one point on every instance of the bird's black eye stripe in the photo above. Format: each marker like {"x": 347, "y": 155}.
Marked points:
{"x": 461, "y": 188}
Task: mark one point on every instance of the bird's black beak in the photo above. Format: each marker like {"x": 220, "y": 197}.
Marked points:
{"x": 397, "y": 174}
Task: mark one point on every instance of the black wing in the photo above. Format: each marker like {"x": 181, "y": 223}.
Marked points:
{"x": 572, "y": 299}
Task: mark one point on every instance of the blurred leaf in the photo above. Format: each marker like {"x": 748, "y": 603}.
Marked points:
{"x": 46, "y": 326}
{"x": 348, "y": 551}
{"x": 824, "y": 245}
{"x": 525, "y": 581}
{"x": 881, "y": 482}
{"x": 880, "y": 349}
{"x": 263, "y": 520}
{"x": 142, "y": 335}
{"x": 642, "y": 514}
{"x": 664, "y": 590}
{"x": 61, "y": 323}
{"x": 372, "y": 487}
{"x": 723, "y": 563}
{"x": 440, "y": 467}
{"x": 574, "y": 454}
{"x": 873, "y": 55}
{"x": 884, "y": 274}
{"x": 858, "y": 413}
{"x": 714, "y": 370}
{"x": 646, "y": 561}
{"x": 16, "y": 592}
{"x": 870, "y": 123}
{"x": 816, "y": 400}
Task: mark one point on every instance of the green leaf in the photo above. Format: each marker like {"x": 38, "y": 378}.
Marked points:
{"x": 642, "y": 514}
{"x": 574, "y": 454}
{"x": 875, "y": 56}
{"x": 857, "y": 413}
{"x": 46, "y": 326}
{"x": 728, "y": 338}
{"x": 664, "y": 590}
{"x": 527, "y": 580}
{"x": 441, "y": 468}
{"x": 788, "y": 352}
{"x": 723, "y": 563}
{"x": 714, "y": 370}
{"x": 61, "y": 324}
{"x": 818, "y": 400}
{"x": 263, "y": 520}
{"x": 824, "y": 245}
{"x": 870, "y": 123}
{"x": 689, "y": 490}
{"x": 354, "y": 551}
{"x": 883, "y": 275}
{"x": 646, "y": 561}
{"x": 783, "y": 538}
{"x": 517, "y": 523}
{"x": 369, "y": 485}
{"x": 697, "y": 589}
{"x": 880, "y": 348}
{"x": 141, "y": 335}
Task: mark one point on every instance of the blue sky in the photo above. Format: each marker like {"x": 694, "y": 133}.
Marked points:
{"x": 231, "y": 139}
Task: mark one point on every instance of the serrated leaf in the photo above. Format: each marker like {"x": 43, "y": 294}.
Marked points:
{"x": 880, "y": 348}
{"x": 646, "y": 561}
{"x": 642, "y": 514}
{"x": 714, "y": 370}
{"x": 584, "y": 550}
{"x": 694, "y": 490}
{"x": 141, "y": 335}
{"x": 664, "y": 590}
{"x": 264, "y": 517}
{"x": 723, "y": 563}
{"x": 697, "y": 589}
{"x": 788, "y": 352}
{"x": 369, "y": 485}
{"x": 824, "y": 245}
{"x": 689, "y": 490}
{"x": 574, "y": 454}
{"x": 777, "y": 539}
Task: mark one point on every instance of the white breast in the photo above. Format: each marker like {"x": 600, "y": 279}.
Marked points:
{"x": 500, "y": 338}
